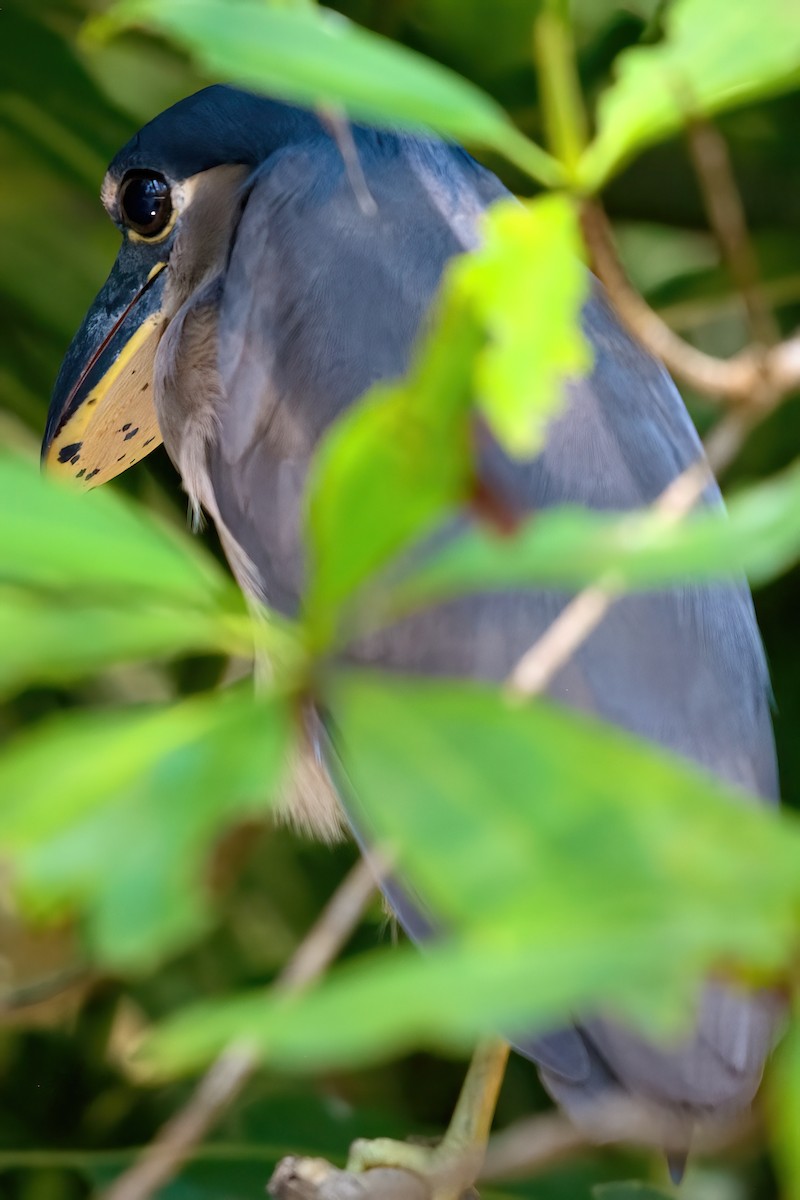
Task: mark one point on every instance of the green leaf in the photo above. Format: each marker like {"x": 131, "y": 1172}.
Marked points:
{"x": 573, "y": 867}
{"x": 530, "y": 251}
{"x": 90, "y": 580}
{"x": 392, "y": 1001}
{"x": 401, "y": 460}
{"x": 54, "y": 639}
{"x": 54, "y": 537}
{"x": 715, "y": 55}
{"x": 314, "y": 56}
{"x": 390, "y": 467}
{"x": 439, "y": 770}
{"x": 783, "y": 1107}
{"x": 93, "y": 804}
{"x": 571, "y": 547}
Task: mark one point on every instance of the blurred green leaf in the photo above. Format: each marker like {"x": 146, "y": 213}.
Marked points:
{"x": 392, "y": 1001}
{"x": 55, "y": 537}
{"x": 566, "y": 895}
{"x": 391, "y": 466}
{"x": 53, "y": 639}
{"x": 784, "y": 1112}
{"x": 402, "y": 459}
{"x": 314, "y": 56}
{"x": 571, "y": 547}
{"x": 529, "y": 251}
{"x": 439, "y": 769}
{"x": 48, "y": 95}
{"x": 90, "y": 580}
{"x": 95, "y": 804}
{"x": 714, "y": 56}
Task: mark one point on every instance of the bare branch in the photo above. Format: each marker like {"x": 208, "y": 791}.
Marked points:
{"x": 727, "y": 437}
{"x": 581, "y": 616}
{"x": 702, "y": 310}
{"x": 537, "y": 1143}
{"x": 712, "y": 164}
{"x": 160, "y": 1160}
{"x": 338, "y": 920}
{"x": 224, "y": 1080}
{"x": 757, "y": 378}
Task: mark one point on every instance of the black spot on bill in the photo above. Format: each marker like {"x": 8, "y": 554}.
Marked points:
{"x": 69, "y": 453}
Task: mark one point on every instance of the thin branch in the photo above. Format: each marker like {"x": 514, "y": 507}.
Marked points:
{"x": 175, "y": 1141}
{"x": 699, "y": 311}
{"x": 582, "y": 615}
{"x": 536, "y": 1143}
{"x": 573, "y": 625}
{"x": 338, "y": 126}
{"x": 338, "y": 920}
{"x": 757, "y": 378}
{"x": 727, "y": 437}
{"x": 725, "y": 211}
{"x": 224, "y": 1080}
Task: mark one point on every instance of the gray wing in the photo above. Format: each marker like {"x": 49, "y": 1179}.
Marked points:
{"x": 325, "y": 295}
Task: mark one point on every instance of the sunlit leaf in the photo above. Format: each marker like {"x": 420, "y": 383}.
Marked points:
{"x": 89, "y": 580}
{"x": 54, "y": 537}
{"x": 526, "y": 286}
{"x": 571, "y": 547}
{"x": 784, "y": 1111}
{"x": 53, "y": 639}
{"x": 391, "y": 466}
{"x": 314, "y": 56}
{"x": 391, "y": 1001}
{"x": 714, "y": 56}
{"x": 401, "y": 460}
{"x": 572, "y": 866}
{"x": 554, "y": 801}
{"x": 94, "y": 805}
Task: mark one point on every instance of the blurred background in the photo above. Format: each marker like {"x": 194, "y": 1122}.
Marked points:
{"x": 68, "y": 1100}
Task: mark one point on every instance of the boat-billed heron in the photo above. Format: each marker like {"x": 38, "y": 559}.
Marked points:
{"x": 255, "y": 296}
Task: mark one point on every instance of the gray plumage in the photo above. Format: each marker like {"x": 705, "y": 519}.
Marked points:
{"x": 314, "y": 296}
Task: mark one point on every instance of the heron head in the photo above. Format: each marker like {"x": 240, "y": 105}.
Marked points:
{"x": 175, "y": 192}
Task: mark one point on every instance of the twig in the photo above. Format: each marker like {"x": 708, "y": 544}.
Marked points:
{"x": 225, "y": 1079}
{"x": 727, "y": 437}
{"x": 723, "y": 203}
{"x": 756, "y": 378}
{"x": 694, "y": 313}
{"x": 338, "y": 126}
{"x": 581, "y": 616}
{"x": 338, "y": 920}
{"x": 537, "y": 1143}
{"x": 41, "y": 991}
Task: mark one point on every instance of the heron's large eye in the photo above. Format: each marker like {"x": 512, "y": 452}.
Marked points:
{"x": 145, "y": 203}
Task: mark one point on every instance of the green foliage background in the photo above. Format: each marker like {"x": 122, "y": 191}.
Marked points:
{"x": 69, "y": 1096}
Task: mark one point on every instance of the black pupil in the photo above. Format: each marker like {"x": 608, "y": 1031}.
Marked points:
{"x": 145, "y": 203}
